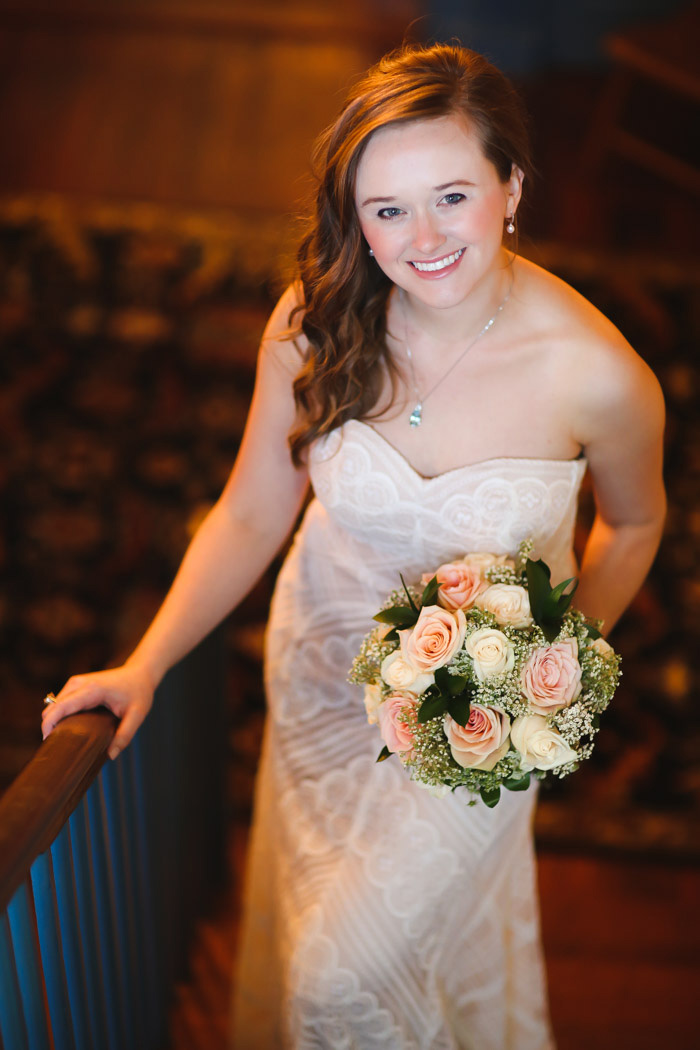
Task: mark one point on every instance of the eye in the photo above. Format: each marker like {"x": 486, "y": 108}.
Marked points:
{"x": 389, "y": 213}
{"x": 453, "y": 198}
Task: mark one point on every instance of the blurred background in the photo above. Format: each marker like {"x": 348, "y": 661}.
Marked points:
{"x": 155, "y": 156}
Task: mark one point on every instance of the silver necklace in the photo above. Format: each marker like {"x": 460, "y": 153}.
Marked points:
{"x": 416, "y": 417}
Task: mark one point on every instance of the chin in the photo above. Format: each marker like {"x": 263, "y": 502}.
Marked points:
{"x": 440, "y": 294}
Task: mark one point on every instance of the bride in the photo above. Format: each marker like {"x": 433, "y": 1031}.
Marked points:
{"x": 442, "y": 395}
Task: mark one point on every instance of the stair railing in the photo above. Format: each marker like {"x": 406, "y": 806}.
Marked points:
{"x": 105, "y": 867}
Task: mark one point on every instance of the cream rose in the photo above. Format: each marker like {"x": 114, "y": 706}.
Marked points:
{"x": 372, "y": 698}
{"x": 551, "y": 678}
{"x": 483, "y": 560}
{"x": 491, "y": 652}
{"x": 435, "y": 639}
{"x": 539, "y": 746}
{"x": 398, "y": 673}
{"x": 483, "y": 741}
{"x": 458, "y": 585}
{"x": 395, "y": 733}
{"x": 508, "y": 602}
{"x": 600, "y": 646}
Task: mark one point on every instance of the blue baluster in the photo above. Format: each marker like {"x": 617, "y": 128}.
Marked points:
{"x": 153, "y": 1008}
{"x": 108, "y": 940}
{"x": 25, "y": 942}
{"x": 46, "y": 911}
{"x": 13, "y": 1030}
{"x": 73, "y": 952}
{"x": 86, "y": 893}
{"x": 118, "y": 849}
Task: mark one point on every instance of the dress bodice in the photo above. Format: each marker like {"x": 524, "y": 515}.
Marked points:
{"x": 368, "y": 491}
{"x": 377, "y": 915}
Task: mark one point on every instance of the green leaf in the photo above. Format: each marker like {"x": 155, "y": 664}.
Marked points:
{"x": 550, "y": 629}
{"x": 558, "y": 598}
{"x": 430, "y": 592}
{"x": 399, "y": 615}
{"x": 411, "y": 602}
{"x": 441, "y": 679}
{"x": 431, "y": 707}
{"x": 384, "y": 754}
{"x": 490, "y": 795}
{"x": 548, "y": 604}
{"x": 459, "y": 707}
{"x": 538, "y": 585}
{"x": 517, "y": 783}
{"x": 391, "y": 636}
{"x": 593, "y": 631}
{"x": 450, "y": 684}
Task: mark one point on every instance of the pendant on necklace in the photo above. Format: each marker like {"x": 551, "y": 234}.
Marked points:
{"x": 416, "y": 417}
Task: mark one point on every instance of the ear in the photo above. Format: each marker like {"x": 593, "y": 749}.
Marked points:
{"x": 514, "y": 189}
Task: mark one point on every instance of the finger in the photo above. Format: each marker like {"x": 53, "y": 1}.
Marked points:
{"x": 125, "y": 731}
{"x": 69, "y": 692}
{"x": 54, "y": 713}
{"x": 76, "y": 684}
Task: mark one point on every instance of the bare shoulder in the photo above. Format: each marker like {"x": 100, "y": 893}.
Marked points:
{"x": 283, "y": 343}
{"x": 603, "y": 380}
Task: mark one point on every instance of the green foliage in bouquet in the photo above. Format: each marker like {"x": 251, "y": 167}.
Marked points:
{"x": 458, "y": 692}
{"x": 405, "y": 615}
{"x": 548, "y": 604}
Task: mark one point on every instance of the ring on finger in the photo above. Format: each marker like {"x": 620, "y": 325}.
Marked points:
{"x": 49, "y": 698}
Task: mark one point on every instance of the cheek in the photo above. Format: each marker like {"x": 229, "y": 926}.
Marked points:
{"x": 486, "y": 218}
{"x": 382, "y": 238}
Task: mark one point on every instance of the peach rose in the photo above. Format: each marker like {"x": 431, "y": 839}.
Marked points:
{"x": 458, "y": 585}
{"x": 551, "y": 678}
{"x": 491, "y": 652}
{"x": 483, "y": 560}
{"x": 539, "y": 746}
{"x": 508, "y": 602}
{"x": 483, "y": 741}
{"x": 398, "y": 673}
{"x": 372, "y": 698}
{"x": 395, "y": 733}
{"x": 435, "y": 639}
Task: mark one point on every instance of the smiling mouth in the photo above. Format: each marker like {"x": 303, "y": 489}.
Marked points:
{"x": 438, "y": 264}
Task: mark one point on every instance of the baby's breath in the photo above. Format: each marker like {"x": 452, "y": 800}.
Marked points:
{"x": 565, "y": 769}
{"x": 503, "y": 574}
{"x": 575, "y": 722}
{"x": 525, "y": 550}
{"x": 430, "y": 760}
{"x": 367, "y": 664}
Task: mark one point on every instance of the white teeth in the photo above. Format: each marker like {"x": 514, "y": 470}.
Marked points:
{"x": 440, "y": 264}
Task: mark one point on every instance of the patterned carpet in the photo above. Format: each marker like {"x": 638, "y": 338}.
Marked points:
{"x": 128, "y": 344}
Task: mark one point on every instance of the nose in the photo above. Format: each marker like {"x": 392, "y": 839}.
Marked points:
{"x": 427, "y": 236}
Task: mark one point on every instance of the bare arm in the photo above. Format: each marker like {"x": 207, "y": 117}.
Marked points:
{"x": 230, "y": 551}
{"x": 622, "y": 424}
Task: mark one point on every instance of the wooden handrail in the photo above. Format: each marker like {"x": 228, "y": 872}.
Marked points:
{"x": 42, "y": 797}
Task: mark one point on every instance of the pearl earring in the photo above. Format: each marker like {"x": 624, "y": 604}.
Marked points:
{"x": 510, "y": 228}
{"x": 371, "y": 253}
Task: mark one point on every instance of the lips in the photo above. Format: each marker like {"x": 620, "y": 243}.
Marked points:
{"x": 437, "y": 266}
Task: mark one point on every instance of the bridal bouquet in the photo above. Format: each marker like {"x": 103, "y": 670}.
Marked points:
{"x": 485, "y": 676}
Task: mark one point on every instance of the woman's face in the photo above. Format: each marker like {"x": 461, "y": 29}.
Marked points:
{"x": 432, "y": 208}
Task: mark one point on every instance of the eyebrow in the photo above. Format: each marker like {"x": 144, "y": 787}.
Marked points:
{"x": 437, "y": 189}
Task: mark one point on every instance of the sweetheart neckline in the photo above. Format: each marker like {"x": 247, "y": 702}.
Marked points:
{"x": 466, "y": 466}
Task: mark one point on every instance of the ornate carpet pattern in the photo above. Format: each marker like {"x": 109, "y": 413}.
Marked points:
{"x": 128, "y": 345}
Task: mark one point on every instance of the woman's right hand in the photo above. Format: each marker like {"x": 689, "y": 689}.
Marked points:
{"x": 127, "y": 691}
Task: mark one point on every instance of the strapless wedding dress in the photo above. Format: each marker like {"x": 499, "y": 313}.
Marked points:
{"x": 376, "y": 916}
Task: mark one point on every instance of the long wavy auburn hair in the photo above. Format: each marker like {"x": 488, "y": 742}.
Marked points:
{"x": 342, "y": 312}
